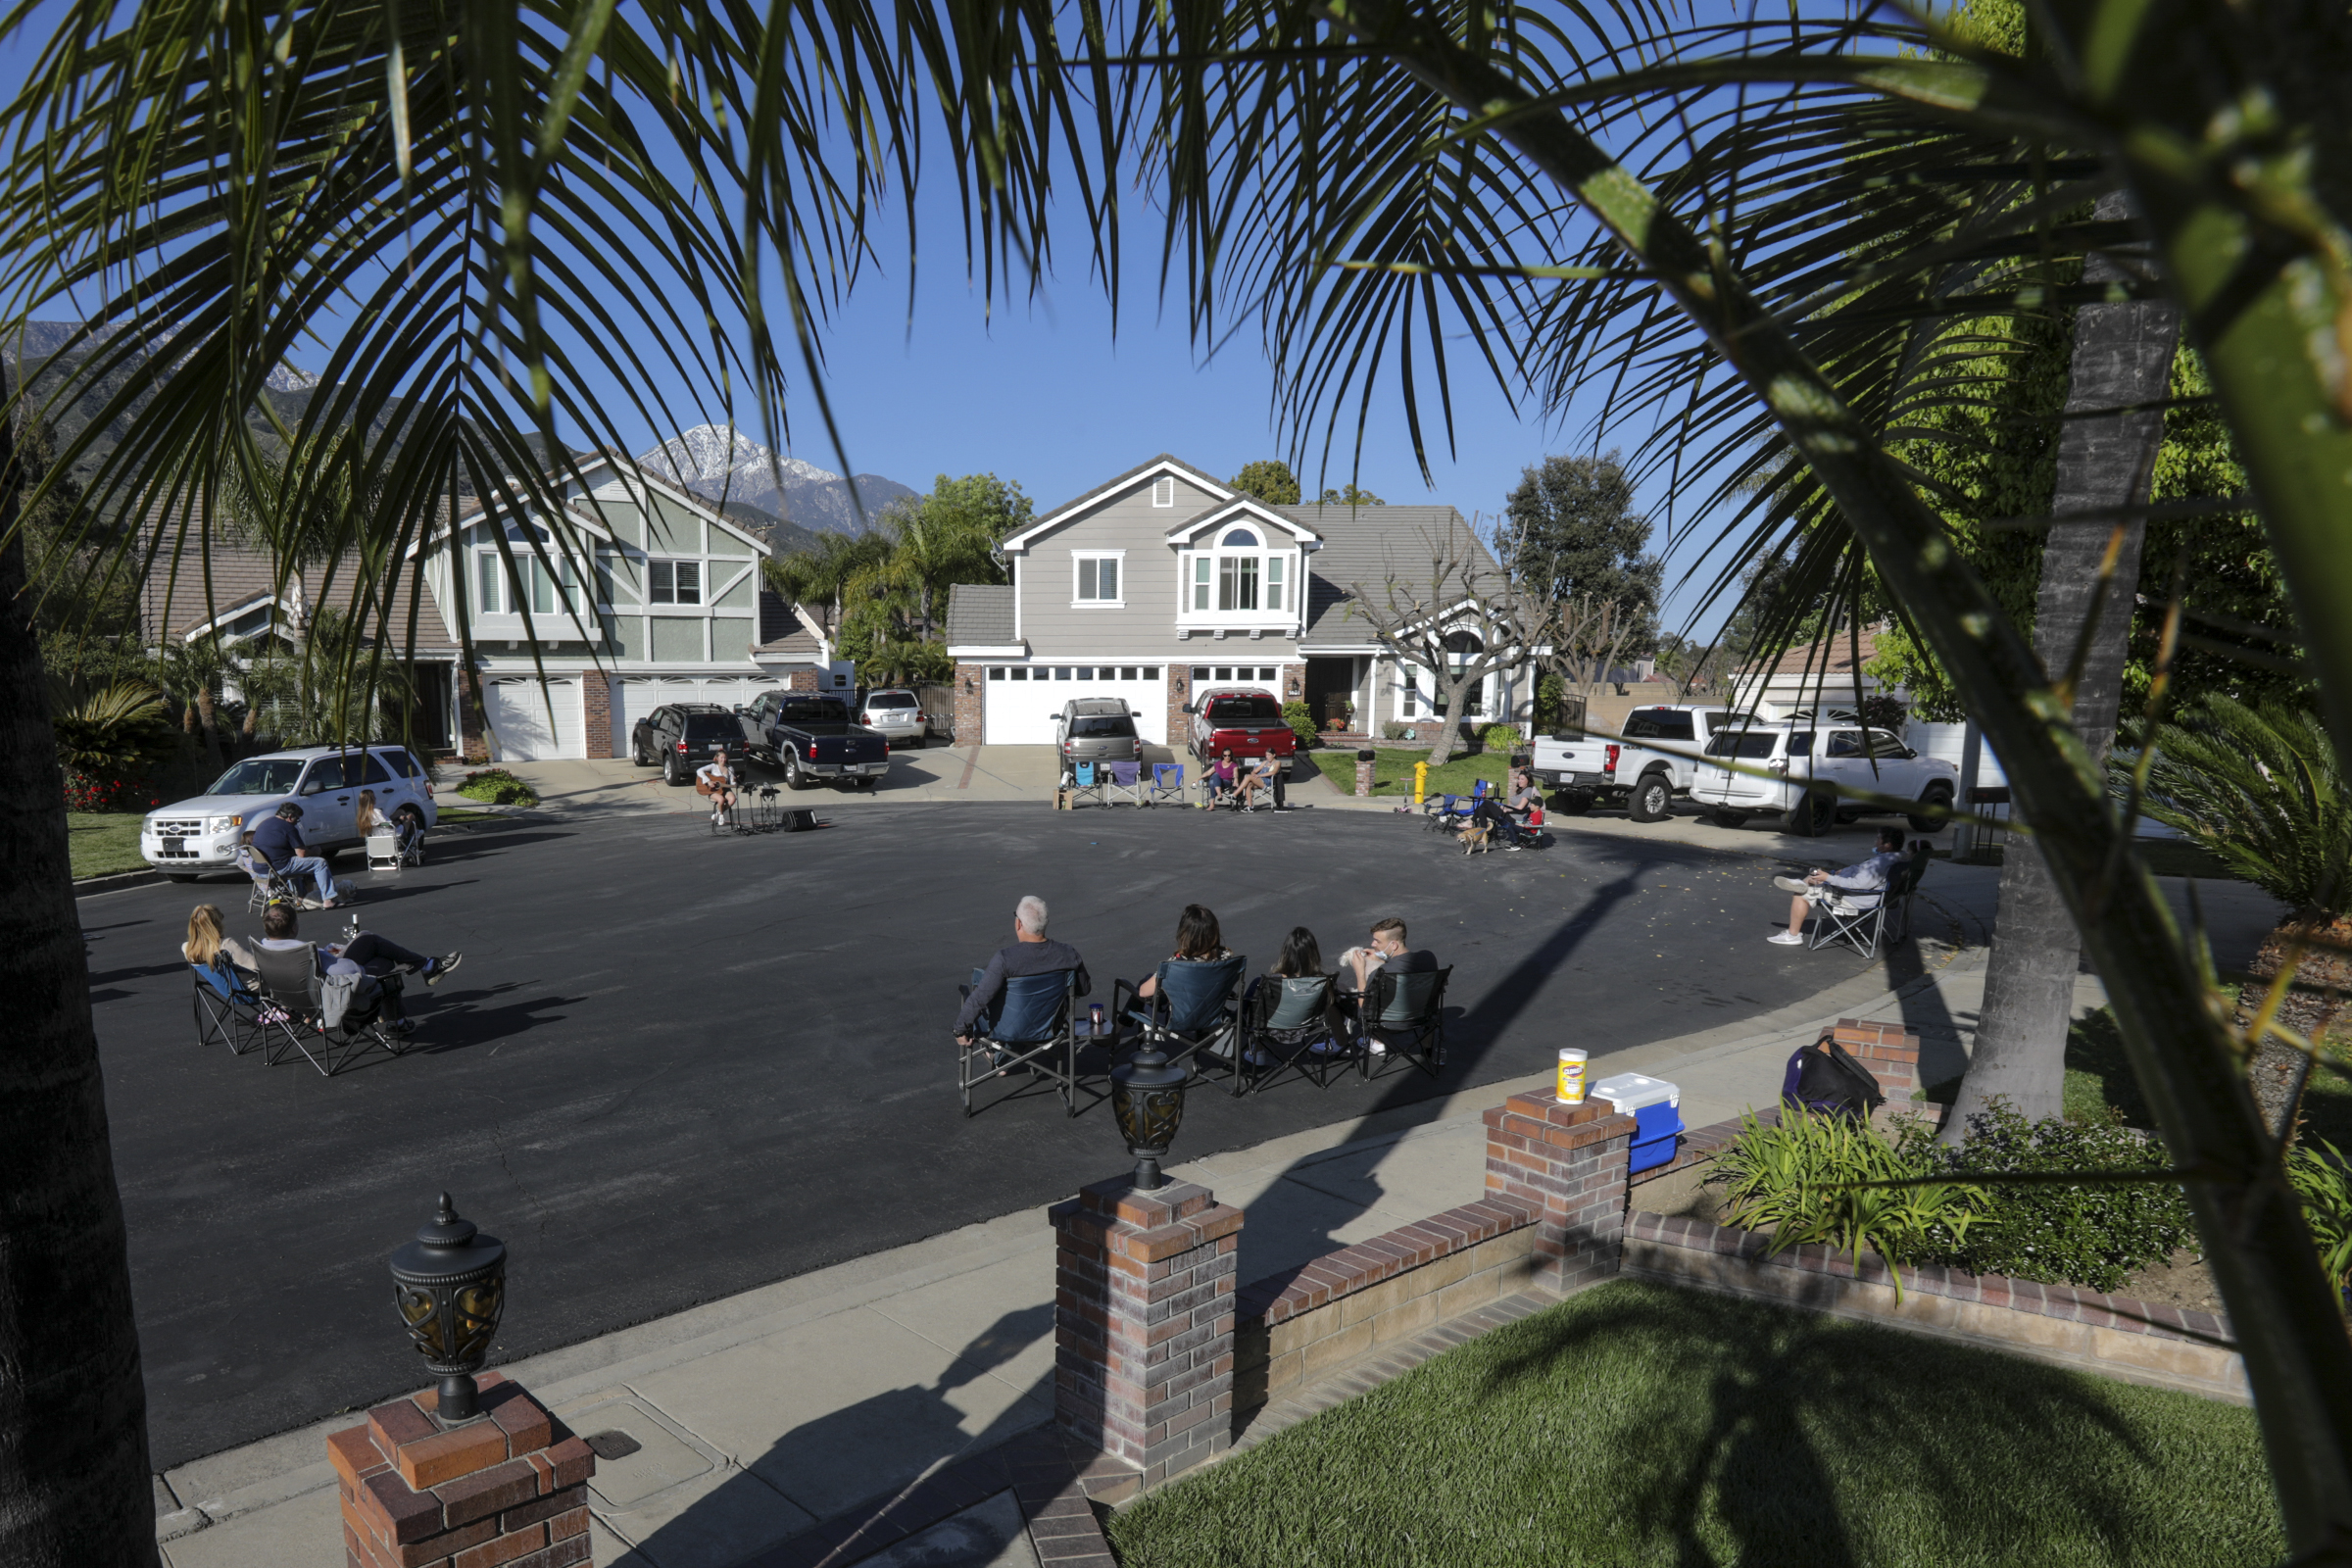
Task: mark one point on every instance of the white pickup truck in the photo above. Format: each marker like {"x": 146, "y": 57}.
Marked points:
{"x": 1654, "y": 756}
{"x": 1809, "y": 775}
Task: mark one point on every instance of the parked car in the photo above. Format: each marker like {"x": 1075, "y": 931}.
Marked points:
{"x": 680, "y": 738}
{"x": 1245, "y": 721}
{"x": 1096, "y": 729}
{"x": 811, "y": 736}
{"x": 1653, "y": 759}
{"x": 1810, "y": 777}
{"x": 200, "y": 834}
{"x": 895, "y": 715}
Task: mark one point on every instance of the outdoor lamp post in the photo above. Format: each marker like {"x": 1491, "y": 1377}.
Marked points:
{"x": 1147, "y": 1096}
{"x": 450, "y": 1287}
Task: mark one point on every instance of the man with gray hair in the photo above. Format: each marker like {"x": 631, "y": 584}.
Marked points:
{"x": 1029, "y": 952}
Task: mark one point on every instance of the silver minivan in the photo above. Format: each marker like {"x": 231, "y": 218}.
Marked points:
{"x": 1096, "y": 729}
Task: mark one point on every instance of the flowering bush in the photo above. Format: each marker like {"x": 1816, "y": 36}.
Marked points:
{"x": 88, "y": 793}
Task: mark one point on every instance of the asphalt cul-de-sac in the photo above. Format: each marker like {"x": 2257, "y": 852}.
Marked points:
{"x": 674, "y": 1066}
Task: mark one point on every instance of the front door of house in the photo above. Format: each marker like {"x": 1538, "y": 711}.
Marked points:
{"x": 1330, "y": 689}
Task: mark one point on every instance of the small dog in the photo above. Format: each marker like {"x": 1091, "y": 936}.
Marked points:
{"x": 1478, "y": 836}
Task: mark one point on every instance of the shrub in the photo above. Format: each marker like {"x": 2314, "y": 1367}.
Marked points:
{"x": 1798, "y": 1178}
{"x": 1395, "y": 731}
{"x": 2096, "y": 1234}
{"x": 1301, "y": 720}
{"x": 1551, "y": 704}
{"x": 496, "y": 786}
{"x": 1501, "y": 739}
{"x": 2325, "y": 1184}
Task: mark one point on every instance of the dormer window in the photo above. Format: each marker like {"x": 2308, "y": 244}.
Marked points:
{"x": 1237, "y": 574}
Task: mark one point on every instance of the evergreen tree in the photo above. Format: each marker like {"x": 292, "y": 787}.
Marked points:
{"x": 1270, "y": 480}
{"x": 1571, "y": 532}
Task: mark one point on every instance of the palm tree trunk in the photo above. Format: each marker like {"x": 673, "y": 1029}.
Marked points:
{"x": 74, "y": 1477}
{"x": 2123, "y": 356}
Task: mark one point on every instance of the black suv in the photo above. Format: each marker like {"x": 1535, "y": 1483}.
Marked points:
{"x": 682, "y": 736}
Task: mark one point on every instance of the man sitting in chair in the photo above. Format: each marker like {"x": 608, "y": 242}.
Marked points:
{"x": 1388, "y": 952}
{"x": 715, "y": 780}
{"x": 365, "y": 954}
{"x": 278, "y": 842}
{"x": 1029, "y": 952}
{"x": 1860, "y": 885}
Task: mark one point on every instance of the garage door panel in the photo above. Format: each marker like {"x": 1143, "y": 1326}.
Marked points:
{"x": 532, "y": 723}
{"x": 1021, "y": 712}
{"x": 636, "y": 696}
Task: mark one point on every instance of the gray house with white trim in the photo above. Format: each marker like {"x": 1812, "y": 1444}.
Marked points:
{"x": 1164, "y": 580}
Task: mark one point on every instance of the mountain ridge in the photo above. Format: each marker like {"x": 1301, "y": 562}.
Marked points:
{"x": 719, "y": 463}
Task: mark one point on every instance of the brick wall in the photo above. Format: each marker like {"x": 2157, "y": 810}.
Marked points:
{"x": 802, "y": 680}
{"x": 509, "y": 1485}
{"x": 1570, "y": 1162}
{"x": 596, "y": 715}
{"x": 1180, "y": 722}
{"x": 971, "y": 700}
{"x": 473, "y": 739}
{"x": 1888, "y": 1051}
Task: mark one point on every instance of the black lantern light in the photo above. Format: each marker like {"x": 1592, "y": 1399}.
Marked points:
{"x": 1147, "y": 1096}
{"x": 450, "y": 1284}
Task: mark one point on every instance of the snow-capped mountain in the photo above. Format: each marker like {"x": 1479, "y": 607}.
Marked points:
{"x": 720, "y": 463}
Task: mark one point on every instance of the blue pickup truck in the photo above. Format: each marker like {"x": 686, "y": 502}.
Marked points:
{"x": 813, "y": 740}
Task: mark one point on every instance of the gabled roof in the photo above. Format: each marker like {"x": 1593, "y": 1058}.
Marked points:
{"x": 1243, "y": 506}
{"x": 980, "y": 615}
{"x": 1836, "y": 661}
{"x": 1362, "y": 545}
{"x": 582, "y": 508}
{"x": 1165, "y": 463}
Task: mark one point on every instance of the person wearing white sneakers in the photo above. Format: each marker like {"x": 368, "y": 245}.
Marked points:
{"x": 717, "y": 783}
{"x": 1860, "y": 885}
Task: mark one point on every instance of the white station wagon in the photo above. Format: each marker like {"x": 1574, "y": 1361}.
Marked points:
{"x": 1812, "y": 774}
{"x": 189, "y": 838}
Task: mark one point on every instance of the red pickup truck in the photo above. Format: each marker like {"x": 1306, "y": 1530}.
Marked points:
{"x": 1247, "y": 723}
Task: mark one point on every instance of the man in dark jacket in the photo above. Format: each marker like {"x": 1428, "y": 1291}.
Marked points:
{"x": 279, "y": 841}
{"x": 1029, "y": 952}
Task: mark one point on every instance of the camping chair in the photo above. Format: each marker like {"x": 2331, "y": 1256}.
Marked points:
{"x": 1407, "y": 1013}
{"x": 1126, "y": 783}
{"x": 1189, "y": 1018}
{"x": 1167, "y": 784}
{"x": 1287, "y": 1023}
{"x": 228, "y": 1011}
{"x": 1448, "y": 812}
{"x": 267, "y": 887}
{"x": 1086, "y": 782}
{"x": 1867, "y": 922}
{"x": 1028, "y": 1027}
{"x": 385, "y": 851}
{"x": 293, "y": 1013}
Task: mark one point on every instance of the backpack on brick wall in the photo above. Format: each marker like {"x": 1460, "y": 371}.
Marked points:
{"x": 1830, "y": 1082}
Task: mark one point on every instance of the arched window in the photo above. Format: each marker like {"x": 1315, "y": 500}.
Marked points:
{"x": 1240, "y": 537}
{"x": 1239, "y": 574}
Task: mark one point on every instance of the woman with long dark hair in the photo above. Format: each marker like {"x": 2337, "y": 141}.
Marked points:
{"x": 1198, "y": 941}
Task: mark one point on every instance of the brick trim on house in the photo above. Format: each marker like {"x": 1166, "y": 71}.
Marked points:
{"x": 596, "y": 716}
{"x": 972, "y": 704}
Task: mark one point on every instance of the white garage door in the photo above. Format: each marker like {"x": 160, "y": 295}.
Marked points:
{"x": 522, "y": 728}
{"x": 1021, "y": 712}
{"x": 639, "y": 695}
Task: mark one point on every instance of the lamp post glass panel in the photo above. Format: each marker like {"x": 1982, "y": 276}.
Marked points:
{"x": 1147, "y": 1096}
{"x": 450, "y": 1287}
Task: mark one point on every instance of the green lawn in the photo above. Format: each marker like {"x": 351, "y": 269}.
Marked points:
{"x": 103, "y": 842}
{"x": 1639, "y": 1424}
{"x": 1393, "y": 770}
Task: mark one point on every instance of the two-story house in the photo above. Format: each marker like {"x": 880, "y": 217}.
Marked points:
{"x": 1165, "y": 581}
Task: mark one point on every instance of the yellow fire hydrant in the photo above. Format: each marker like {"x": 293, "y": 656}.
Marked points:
{"x": 1420, "y": 781}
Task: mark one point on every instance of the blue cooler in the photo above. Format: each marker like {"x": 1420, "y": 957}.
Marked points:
{"x": 1656, "y": 1108}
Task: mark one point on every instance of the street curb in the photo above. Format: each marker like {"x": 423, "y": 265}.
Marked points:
{"x": 115, "y": 882}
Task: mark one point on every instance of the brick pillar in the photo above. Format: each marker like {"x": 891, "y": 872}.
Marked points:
{"x": 500, "y": 1489}
{"x": 473, "y": 741}
{"x": 1888, "y": 1051}
{"x": 596, "y": 716}
{"x": 1569, "y": 1161}
{"x": 802, "y": 680}
{"x": 971, "y": 698}
{"x": 1180, "y": 722}
{"x": 1142, "y": 1323}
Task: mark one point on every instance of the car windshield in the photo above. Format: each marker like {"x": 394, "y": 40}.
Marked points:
{"x": 260, "y": 775}
{"x": 1101, "y": 728}
{"x": 1243, "y": 710}
{"x": 1748, "y": 743}
{"x": 824, "y": 711}
{"x": 890, "y": 700}
{"x": 713, "y": 727}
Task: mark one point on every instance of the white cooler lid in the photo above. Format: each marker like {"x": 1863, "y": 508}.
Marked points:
{"x": 1631, "y": 1091}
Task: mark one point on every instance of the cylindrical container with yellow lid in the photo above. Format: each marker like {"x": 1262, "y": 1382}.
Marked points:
{"x": 1572, "y": 1076}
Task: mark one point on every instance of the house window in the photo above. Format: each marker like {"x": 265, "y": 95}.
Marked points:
{"x": 1412, "y": 689}
{"x": 1164, "y": 492}
{"x": 1237, "y": 582}
{"x": 1200, "y": 674}
{"x": 1097, "y": 579}
{"x": 1061, "y": 672}
{"x": 1126, "y": 672}
{"x": 1274, "y": 582}
{"x": 1224, "y": 673}
{"x": 1150, "y": 673}
{"x": 490, "y": 579}
{"x": 674, "y": 582}
{"x": 996, "y": 672}
{"x": 1020, "y": 673}
{"x": 1202, "y": 567}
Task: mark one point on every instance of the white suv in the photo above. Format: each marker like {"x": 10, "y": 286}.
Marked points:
{"x": 1812, "y": 774}
{"x": 896, "y": 714}
{"x": 200, "y": 834}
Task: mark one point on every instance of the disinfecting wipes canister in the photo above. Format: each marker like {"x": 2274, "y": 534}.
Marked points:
{"x": 1572, "y": 1077}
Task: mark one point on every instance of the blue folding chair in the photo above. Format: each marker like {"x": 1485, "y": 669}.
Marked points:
{"x": 1086, "y": 782}
{"x": 1191, "y": 1017}
{"x": 1125, "y": 783}
{"x": 1028, "y": 1029}
{"x": 1447, "y": 813}
{"x": 1167, "y": 784}
{"x": 228, "y": 1010}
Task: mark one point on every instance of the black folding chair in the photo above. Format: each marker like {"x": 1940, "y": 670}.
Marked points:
{"x": 1191, "y": 1017}
{"x": 1406, "y": 1014}
{"x": 293, "y": 1012}
{"x": 1287, "y": 1027}
{"x": 228, "y": 1011}
{"x": 1028, "y": 1029}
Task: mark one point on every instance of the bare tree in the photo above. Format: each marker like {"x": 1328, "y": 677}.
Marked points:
{"x": 1461, "y": 620}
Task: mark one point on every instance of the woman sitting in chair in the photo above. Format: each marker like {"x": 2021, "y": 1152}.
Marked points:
{"x": 1300, "y": 959}
{"x": 1198, "y": 941}
{"x": 208, "y": 940}
{"x": 1221, "y": 778}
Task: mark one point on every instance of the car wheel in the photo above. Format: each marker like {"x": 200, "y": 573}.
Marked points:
{"x": 1731, "y": 819}
{"x": 1810, "y": 818}
{"x": 669, "y": 769}
{"x": 1939, "y": 812}
{"x": 1652, "y": 799}
{"x": 637, "y": 757}
{"x": 794, "y": 778}
{"x": 1572, "y": 803}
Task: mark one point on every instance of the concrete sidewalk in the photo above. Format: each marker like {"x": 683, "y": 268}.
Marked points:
{"x": 756, "y": 1416}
